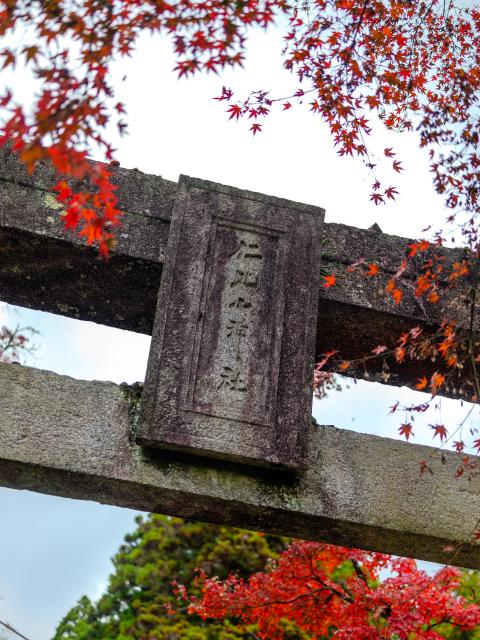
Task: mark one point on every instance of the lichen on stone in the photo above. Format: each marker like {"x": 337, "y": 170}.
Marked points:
{"x": 133, "y": 397}
{"x": 52, "y": 203}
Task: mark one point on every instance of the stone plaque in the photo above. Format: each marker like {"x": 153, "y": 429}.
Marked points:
{"x": 230, "y": 366}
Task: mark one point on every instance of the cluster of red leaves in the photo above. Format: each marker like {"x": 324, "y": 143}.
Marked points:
{"x": 444, "y": 345}
{"x": 453, "y": 344}
{"x": 413, "y": 63}
{"x": 69, "y": 48}
{"x": 450, "y": 352}
{"x": 336, "y": 592}
{"x": 428, "y": 273}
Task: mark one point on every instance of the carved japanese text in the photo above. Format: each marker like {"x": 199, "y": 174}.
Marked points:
{"x": 235, "y": 332}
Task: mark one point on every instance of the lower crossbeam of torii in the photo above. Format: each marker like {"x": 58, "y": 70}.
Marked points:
{"x": 222, "y": 431}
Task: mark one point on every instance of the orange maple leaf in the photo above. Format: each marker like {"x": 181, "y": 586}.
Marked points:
{"x": 418, "y": 247}
{"x": 397, "y": 295}
{"x": 436, "y": 381}
{"x": 330, "y": 281}
{"x": 422, "y": 383}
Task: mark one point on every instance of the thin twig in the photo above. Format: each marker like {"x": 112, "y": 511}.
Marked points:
{"x": 356, "y": 30}
{"x": 10, "y": 628}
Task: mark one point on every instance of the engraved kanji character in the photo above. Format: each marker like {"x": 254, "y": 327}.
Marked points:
{"x": 247, "y": 250}
{"x": 245, "y": 277}
{"x": 240, "y": 303}
{"x": 237, "y": 327}
{"x": 232, "y": 379}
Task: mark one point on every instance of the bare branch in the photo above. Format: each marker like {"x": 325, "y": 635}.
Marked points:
{"x": 10, "y": 628}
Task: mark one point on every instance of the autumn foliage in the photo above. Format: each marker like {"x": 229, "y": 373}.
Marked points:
{"x": 334, "y": 592}
{"x": 69, "y": 48}
{"x": 412, "y": 64}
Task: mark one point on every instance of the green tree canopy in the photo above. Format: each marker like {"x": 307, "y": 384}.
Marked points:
{"x": 139, "y": 594}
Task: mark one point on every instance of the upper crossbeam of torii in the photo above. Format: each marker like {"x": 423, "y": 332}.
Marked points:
{"x": 91, "y": 440}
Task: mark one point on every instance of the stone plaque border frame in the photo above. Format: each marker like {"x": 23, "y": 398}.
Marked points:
{"x": 170, "y": 417}
{"x": 189, "y": 404}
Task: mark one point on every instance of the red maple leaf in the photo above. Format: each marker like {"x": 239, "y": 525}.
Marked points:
{"x": 406, "y": 430}
{"x": 440, "y": 431}
{"x": 235, "y": 111}
{"x": 391, "y": 192}
{"x": 397, "y": 166}
{"x": 377, "y": 198}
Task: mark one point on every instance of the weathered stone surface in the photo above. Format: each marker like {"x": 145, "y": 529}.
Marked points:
{"x": 229, "y": 372}
{"x": 66, "y": 279}
{"x": 77, "y": 439}
{"x": 364, "y": 317}
{"x": 28, "y": 203}
{"x": 43, "y": 267}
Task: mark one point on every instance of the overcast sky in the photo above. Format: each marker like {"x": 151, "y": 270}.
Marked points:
{"x": 55, "y": 550}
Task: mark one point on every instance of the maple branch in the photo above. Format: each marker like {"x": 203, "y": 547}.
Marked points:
{"x": 446, "y": 7}
{"x": 444, "y": 621}
{"x": 15, "y": 341}
{"x": 359, "y": 571}
{"x": 293, "y": 95}
{"x": 461, "y": 545}
{"x": 355, "y": 33}
{"x": 458, "y": 428}
{"x": 10, "y": 628}
{"x": 415, "y": 33}
{"x": 301, "y": 596}
{"x": 346, "y": 596}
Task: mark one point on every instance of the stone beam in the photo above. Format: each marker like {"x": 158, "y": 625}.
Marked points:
{"x": 76, "y": 439}
{"x": 44, "y": 267}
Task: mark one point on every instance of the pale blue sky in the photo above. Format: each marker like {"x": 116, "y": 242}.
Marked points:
{"x": 55, "y": 550}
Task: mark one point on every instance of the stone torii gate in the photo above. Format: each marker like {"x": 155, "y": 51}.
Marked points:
{"x": 224, "y": 432}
